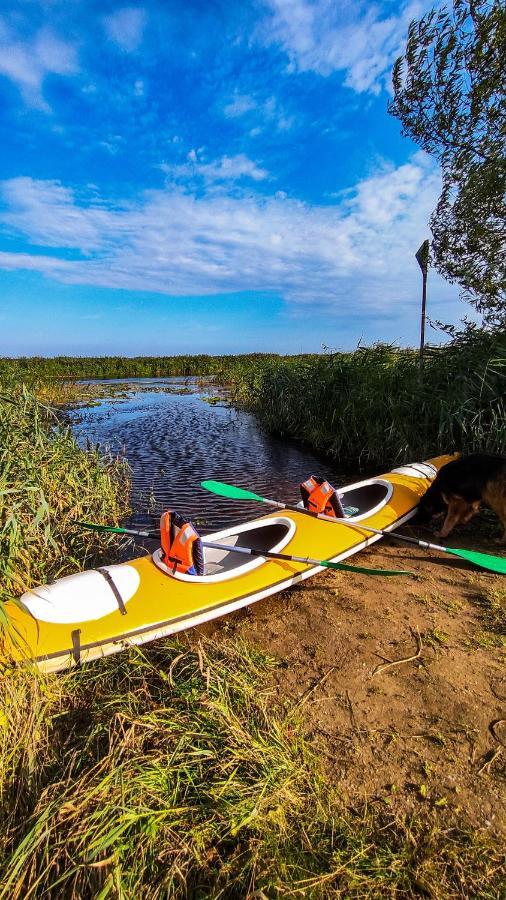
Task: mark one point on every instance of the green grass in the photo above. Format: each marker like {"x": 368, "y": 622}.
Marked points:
{"x": 172, "y": 773}
{"x": 46, "y": 480}
{"x": 374, "y": 408}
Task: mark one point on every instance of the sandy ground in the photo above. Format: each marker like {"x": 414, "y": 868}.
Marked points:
{"x": 430, "y": 730}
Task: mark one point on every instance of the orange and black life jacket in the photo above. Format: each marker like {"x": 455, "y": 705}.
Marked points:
{"x": 181, "y": 545}
{"x": 320, "y": 497}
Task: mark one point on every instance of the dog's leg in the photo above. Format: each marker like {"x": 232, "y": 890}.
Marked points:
{"x": 459, "y": 512}
{"x": 451, "y": 519}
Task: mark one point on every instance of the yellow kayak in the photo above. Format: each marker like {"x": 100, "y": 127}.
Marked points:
{"x": 101, "y": 611}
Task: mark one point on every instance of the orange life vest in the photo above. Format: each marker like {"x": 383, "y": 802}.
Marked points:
{"x": 181, "y": 544}
{"x": 320, "y": 497}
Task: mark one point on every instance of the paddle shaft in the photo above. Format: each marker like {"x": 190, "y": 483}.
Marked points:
{"x": 399, "y": 537}
{"x": 267, "y": 554}
{"x": 214, "y": 546}
{"x": 482, "y": 560}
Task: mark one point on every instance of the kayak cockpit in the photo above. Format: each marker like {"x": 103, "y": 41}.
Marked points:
{"x": 221, "y": 564}
{"x": 360, "y": 501}
{"x": 365, "y": 498}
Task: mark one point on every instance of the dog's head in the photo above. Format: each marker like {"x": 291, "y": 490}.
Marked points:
{"x": 431, "y": 504}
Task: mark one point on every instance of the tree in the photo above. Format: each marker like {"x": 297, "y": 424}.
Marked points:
{"x": 449, "y": 93}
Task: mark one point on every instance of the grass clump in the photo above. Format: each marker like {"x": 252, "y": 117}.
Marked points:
{"x": 172, "y": 773}
{"x": 46, "y": 481}
{"x": 491, "y": 605}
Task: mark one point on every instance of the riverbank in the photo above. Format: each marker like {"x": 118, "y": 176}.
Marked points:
{"x": 263, "y": 756}
{"x": 275, "y": 753}
{"x": 401, "y": 683}
{"x": 375, "y": 408}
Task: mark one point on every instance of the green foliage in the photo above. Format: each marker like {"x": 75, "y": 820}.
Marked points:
{"x": 372, "y": 408}
{"x": 46, "y": 480}
{"x": 32, "y": 369}
{"x": 449, "y": 96}
{"x": 171, "y": 773}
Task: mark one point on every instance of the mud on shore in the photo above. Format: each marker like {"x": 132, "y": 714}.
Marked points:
{"x": 427, "y": 733}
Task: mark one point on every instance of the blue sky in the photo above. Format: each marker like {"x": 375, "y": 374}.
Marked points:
{"x": 208, "y": 177}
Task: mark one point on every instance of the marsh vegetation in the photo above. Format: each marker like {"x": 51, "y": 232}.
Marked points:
{"x": 203, "y": 767}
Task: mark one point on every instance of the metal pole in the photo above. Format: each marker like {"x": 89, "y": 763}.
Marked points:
{"x": 422, "y": 258}
{"x": 422, "y": 324}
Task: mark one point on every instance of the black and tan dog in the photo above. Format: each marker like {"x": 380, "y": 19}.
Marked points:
{"x": 461, "y": 486}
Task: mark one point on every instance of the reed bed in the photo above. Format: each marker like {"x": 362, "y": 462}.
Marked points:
{"x": 224, "y": 368}
{"x": 172, "y": 773}
{"x": 46, "y": 480}
{"x": 375, "y": 408}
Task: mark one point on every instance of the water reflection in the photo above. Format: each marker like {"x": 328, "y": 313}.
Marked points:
{"x": 175, "y": 440}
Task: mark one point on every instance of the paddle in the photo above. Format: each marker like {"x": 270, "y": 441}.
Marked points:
{"x": 325, "y": 563}
{"x": 483, "y": 560}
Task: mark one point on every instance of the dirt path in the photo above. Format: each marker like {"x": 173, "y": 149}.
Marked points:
{"x": 420, "y": 733}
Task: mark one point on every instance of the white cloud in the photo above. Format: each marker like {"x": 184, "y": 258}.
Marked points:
{"x": 215, "y": 173}
{"x": 241, "y": 104}
{"x": 230, "y": 168}
{"x": 29, "y": 61}
{"x": 356, "y": 257}
{"x": 354, "y": 37}
{"x": 125, "y": 27}
{"x": 270, "y": 111}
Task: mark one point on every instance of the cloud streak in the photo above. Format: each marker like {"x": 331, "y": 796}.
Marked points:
{"x": 354, "y": 256}
{"x": 215, "y": 174}
{"x": 354, "y": 38}
{"x": 125, "y": 27}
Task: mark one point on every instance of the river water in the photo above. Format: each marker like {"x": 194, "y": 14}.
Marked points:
{"x": 173, "y": 439}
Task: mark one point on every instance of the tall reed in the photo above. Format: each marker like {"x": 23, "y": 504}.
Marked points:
{"x": 65, "y": 367}
{"x": 46, "y": 480}
{"x": 375, "y": 408}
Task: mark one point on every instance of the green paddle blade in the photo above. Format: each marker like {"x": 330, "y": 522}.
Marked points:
{"x": 363, "y": 570}
{"x": 483, "y": 560}
{"x": 228, "y": 490}
{"x": 94, "y": 527}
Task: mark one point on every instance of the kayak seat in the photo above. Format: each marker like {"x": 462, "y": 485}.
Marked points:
{"x": 221, "y": 563}
{"x": 365, "y": 498}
